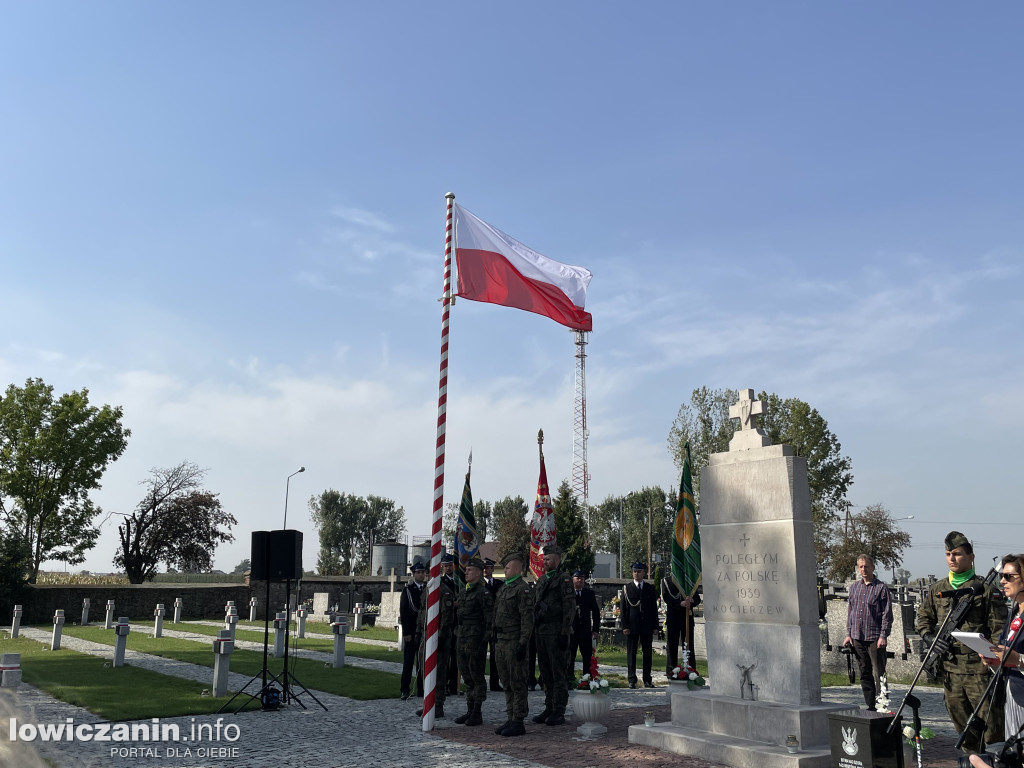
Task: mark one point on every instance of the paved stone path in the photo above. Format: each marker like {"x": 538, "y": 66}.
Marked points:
{"x": 382, "y": 732}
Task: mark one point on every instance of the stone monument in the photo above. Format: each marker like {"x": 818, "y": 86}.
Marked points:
{"x": 761, "y": 610}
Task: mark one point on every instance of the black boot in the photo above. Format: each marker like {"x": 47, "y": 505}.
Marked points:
{"x": 555, "y": 719}
{"x": 476, "y": 717}
{"x": 464, "y": 718}
{"x": 515, "y": 729}
{"x": 542, "y": 717}
{"x": 439, "y": 710}
{"x": 502, "y": 727}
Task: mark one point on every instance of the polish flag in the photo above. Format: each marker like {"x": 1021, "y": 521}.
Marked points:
{"x": 498, "y": 269}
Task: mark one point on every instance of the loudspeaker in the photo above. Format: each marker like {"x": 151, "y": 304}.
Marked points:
{"x": 276, "y": 555}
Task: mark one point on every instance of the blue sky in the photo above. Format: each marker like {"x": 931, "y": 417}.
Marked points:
{"x": 229, "y": 219}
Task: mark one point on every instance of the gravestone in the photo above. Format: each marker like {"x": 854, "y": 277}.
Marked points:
{"x": 158, "y": 620}
{"x": 85, "y": 611}
{"x": 177, "y": 610}
{"x": 252, "y": 609}
{"x": 280, "y": 630}
{"x": 761, "y": 613}
{"x": 109, "y": 621}
{"x": 16, "y": 621}
{"x": 58, "y": 629}
{"x": 10, "y": 670}
{"x": 121, "y": 630}
{"x": 321, "y": 607}
{"x": 223, "y": 647}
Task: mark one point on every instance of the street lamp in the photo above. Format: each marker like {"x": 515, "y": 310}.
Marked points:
{"x": 287, "y": 485}
{"x": 897, "y": 520}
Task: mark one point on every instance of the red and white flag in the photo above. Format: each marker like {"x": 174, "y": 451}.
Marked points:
{"x": 542, "y": 527}
{"x": 498, "y": 269}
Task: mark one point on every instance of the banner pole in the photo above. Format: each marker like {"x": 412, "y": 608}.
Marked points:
{"x": 430, "y": 681}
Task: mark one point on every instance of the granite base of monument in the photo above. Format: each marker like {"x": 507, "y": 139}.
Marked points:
{"x": 860, "y": 739}
{"x": 742, "y": 733}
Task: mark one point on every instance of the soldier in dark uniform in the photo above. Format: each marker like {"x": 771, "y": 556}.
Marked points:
{"x": 964, "y": 677}
{"x": 445, "y": 640}
{"x": 639, "y": 622}
{"x": 678, "y": 619}
{"x": 408, "y": 614}
{"x": 493, "y": 585}
{"x": 448, "y": 576}
{"x": 513, "y": 627}
{"x": 475, "y": 609}
{"x": 586, "y": 623}
{"x": 554, "y": 606}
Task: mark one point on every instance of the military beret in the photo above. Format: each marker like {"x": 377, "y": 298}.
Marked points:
{"x": 579, "y": 573}
{"x": 418, "y": 566}
{"x": 638, "y": 566}
{"x": 475, "y": 562}
{"x": 955, "y": 539}
{"x": 488, "y": 563}
{"x": 552, "y": 549}
{"x": 513, "y": 556}
{"x": 447, "y": 557}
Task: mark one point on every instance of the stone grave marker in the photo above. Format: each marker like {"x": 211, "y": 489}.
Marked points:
{"x": 109, "y": 622}
{"x": 58, "y": 629}
{"x": 85, "y": 611}
{"x": 121, "y": 630}
{"x": 223, "y": 647}
{"x": 16, "y": 622}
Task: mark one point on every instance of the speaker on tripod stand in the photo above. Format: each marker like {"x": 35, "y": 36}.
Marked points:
{"x": 275, "y": 556}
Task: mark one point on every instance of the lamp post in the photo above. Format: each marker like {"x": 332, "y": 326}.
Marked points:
{"x": 897, "y": 520}
{"x": 287, "y": 486}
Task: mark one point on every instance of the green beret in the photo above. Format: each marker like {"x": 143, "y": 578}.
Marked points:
{"x": 552, "y": 549}
{"x": 475, "y": 562}
{"x": 955, "y": 539}
{"x": 513, "y": 556}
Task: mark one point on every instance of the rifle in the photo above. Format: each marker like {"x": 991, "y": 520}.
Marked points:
{"x": 943, "y": 637}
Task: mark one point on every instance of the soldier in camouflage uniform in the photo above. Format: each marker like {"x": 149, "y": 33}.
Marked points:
{"x": 555, "y": 607}
{"x": 475, "y": 609}
{"x": 513, "y": 626}
{"x": 964, "y": 676}
{"x": 446, "y": 623}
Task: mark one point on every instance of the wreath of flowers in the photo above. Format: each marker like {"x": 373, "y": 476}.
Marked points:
{"x": 593, "y": 682}
{"x": 689, "y": 676}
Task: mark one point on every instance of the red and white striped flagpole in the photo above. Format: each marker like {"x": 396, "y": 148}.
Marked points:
{"x": 430, "y": 681}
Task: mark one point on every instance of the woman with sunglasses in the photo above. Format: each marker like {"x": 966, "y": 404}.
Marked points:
{"x": 1011, "y": 643}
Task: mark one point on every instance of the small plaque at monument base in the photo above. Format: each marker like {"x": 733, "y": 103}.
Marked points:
{"x": 859, "y": 739}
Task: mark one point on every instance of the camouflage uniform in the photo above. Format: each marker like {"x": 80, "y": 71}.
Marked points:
{"x": 446, "y": 619}
{"x": 475, "y": 609}
{"x": 513, "y": 625}
{"x": 964, "y": 676}
{"x": 555, "y": 606}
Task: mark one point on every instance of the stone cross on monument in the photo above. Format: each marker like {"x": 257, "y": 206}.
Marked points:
{"x": 749, "y": 435}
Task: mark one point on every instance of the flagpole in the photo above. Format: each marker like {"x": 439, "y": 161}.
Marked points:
{"x": 430, "y": 681}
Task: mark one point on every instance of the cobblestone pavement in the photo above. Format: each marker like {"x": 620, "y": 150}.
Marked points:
{"x": 383, "y": 732}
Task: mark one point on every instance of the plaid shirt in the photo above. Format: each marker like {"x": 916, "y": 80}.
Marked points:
{"x": 869, "y": 611}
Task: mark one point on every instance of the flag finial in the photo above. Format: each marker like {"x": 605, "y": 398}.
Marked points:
{"x": 540, "y": 443}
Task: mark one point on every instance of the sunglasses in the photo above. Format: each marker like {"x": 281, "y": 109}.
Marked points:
{"x": 1008, "y": 576}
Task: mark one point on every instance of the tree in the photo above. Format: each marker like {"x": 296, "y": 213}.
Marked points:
{"x": 177, "y": 523}
{"x": 336, "y": 516}
{"x": 707, "y": 425}
{"x": 571, "y": 531}
{"x": 348, "y": 527}
{"x": 53, "y": 452}
{"x": 15, "y": 556}
{"x": 873, "y": 532}
{"x": 243, "y": 566}
{"x": 511, "y": 530}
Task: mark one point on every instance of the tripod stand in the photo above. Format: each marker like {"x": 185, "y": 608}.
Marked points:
{"x": 270, "y": 697}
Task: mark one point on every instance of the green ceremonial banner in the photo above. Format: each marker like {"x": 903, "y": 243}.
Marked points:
{"x": 686, "y": 565}
{"x": 467, "y": 545}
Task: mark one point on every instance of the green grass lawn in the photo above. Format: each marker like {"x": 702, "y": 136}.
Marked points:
{"x": 353, "y": 682}
{"x": 324, "y": 644}
{"x": 124, "y": 693}
{"x": 388, "y": 634}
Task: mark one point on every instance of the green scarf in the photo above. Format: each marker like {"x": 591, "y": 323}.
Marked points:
{"x": 956, "y": 579}
{"x": 511, "y": 579}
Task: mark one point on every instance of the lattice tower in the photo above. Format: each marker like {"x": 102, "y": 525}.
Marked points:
{"x": 580, "y": 473}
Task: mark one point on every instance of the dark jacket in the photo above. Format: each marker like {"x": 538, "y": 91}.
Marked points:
{"x": 587, "y": 620}
{"x": 987, "y": 616}
{"x": 639, "y": 608}
{"x": 495, "y": 586}
{"x": 409, "y": 607}
{"x": 1014, "y": 679}
{"x": 675, "y": 614}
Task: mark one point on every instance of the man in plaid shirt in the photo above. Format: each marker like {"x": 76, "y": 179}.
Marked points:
{"x": 868, "y": 621}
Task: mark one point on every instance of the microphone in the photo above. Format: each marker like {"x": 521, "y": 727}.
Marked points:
{"x": 974, "y": 589}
